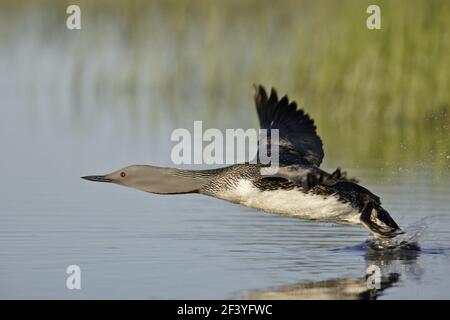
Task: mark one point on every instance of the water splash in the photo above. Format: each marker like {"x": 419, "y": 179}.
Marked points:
{"x": 407, "y": 240}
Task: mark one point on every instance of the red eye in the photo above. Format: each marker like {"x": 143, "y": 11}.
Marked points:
{"x": 123, "y": 174}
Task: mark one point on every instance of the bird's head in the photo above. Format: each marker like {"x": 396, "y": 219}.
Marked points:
{"x": 150, "y": 179}
{"x": 127, "y": 176}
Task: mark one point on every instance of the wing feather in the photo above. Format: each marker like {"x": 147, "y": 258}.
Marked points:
{"x": 299, "y": 142}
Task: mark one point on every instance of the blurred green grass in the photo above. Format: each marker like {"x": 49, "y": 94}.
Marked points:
{"x": 377, "y": 94}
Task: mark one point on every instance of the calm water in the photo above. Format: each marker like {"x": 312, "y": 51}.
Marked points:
{"x": 59, "y": 123}
{"x": 130, "y": 244}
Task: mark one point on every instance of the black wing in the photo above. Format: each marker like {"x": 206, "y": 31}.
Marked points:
{"x": 309, "y": 177}
{"x": 298, "y": 140}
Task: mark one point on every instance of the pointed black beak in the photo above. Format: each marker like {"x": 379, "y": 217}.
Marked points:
{"x": 97, "y": 178}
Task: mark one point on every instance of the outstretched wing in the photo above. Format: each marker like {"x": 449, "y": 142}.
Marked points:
{"x": 298, "y": 140}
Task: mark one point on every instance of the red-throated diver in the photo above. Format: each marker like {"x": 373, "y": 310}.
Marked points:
{"x": 299, "y": 188}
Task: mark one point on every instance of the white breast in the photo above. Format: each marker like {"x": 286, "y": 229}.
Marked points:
{"x": 293, "y": 203}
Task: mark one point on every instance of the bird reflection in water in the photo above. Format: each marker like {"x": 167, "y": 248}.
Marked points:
{"x": 389, "y": 265}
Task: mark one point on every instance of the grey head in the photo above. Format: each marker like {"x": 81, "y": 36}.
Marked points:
{"x": 153, "y": 179}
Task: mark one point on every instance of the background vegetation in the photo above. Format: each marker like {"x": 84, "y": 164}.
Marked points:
{"x": 376, "y": 95}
